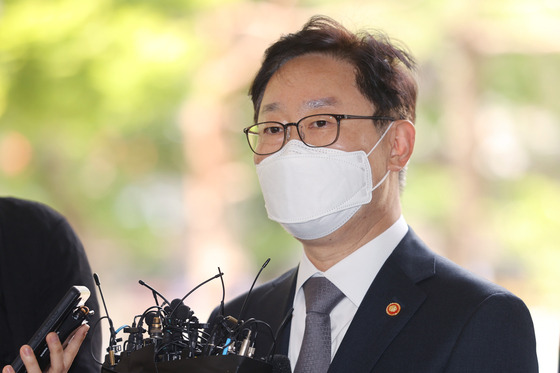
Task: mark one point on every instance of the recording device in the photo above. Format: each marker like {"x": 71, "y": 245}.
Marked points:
{"x": 169, "y": 338}
{"x": 64, "y": 319}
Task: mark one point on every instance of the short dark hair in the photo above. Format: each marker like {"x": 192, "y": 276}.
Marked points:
{"x": 384, "y": 72}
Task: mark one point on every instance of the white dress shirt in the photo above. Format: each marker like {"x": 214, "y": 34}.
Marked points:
{"x": 353, "y": 276}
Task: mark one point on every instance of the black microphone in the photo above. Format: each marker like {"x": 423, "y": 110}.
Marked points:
{"x": 154, "y": 292}
{"x": 227, "y": 328}
{"x": 251, "y": 289}
{"x": 281, "y": 364}
{"x": 178, "y": 310}
{"x": 222, "y": 303}
{"x": 193, "y": 290}
{"x": 113, "y": 338}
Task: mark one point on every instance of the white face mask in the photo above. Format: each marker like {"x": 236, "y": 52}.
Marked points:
{"x": 312, "y": 192}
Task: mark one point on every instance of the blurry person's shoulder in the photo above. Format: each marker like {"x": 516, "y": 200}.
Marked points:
{"x": 15, "y": 211}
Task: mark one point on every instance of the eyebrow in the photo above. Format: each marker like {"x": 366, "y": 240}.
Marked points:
{"x": 270, "y": 107}
{"x": 311, "y": 104}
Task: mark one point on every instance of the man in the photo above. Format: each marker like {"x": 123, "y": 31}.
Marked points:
{"x": 334, "y": 133}
{"x": 40, "y": 259}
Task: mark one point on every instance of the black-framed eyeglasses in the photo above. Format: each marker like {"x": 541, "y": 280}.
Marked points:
{"x": 316, "y": 131}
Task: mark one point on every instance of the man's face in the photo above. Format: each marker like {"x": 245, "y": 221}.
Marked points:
{"x": 319, "y": 84}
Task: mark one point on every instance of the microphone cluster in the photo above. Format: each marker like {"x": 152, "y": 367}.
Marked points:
{"x": 169, "y": 338}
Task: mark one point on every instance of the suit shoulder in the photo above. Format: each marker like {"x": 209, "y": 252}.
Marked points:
{"x": 464, "y": 282}
{"x": 434, "y": 272}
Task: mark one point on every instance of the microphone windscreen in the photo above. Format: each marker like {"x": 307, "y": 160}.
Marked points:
{"x": 175, "y": 302}
{"x": 183, "y": 312}
{"x": 281, "y": 364}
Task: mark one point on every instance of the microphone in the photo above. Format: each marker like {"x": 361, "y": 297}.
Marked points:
{"x": 227, "y": 329}
{"x": 251, "y": 289}
{"x": 113, "y": 339}
{"x": 222, "y": 303}
{"x": 175, "y": 334}
{"x": 178, "y": 310}
{"x": 195, "y": 288}
{"x": 154, "y": 292}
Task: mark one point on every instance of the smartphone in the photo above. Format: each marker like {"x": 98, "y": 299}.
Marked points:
{"x": 64, "y": 319}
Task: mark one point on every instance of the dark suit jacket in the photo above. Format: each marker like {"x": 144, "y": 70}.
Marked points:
{"x": 450, "y": 321}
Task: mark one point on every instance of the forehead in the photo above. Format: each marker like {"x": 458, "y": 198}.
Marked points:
{"x": 312, "y": 82}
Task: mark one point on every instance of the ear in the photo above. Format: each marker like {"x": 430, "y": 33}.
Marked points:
{"x": 402, "y": 144}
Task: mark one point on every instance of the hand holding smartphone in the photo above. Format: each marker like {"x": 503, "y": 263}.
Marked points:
{"x": 64, "y": 319}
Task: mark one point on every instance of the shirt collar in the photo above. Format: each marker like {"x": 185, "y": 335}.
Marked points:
{"x": 363, "y": 264}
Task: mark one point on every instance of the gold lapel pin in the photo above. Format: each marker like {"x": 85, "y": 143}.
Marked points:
{"x": 393, "y": 309}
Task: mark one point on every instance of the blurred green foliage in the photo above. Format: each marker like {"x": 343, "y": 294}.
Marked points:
{"x": 94, "y": 87}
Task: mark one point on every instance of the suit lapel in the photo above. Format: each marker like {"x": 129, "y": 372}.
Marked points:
{"x": 372, "y": 328}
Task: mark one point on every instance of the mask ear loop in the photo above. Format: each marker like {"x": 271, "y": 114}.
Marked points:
{"x": 381, "y": 181}
{"x": 381, "y": 138}
{"x": 371, "y": 151}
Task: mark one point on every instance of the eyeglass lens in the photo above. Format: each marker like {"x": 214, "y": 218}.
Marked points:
{"x": 316, "y": 130}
